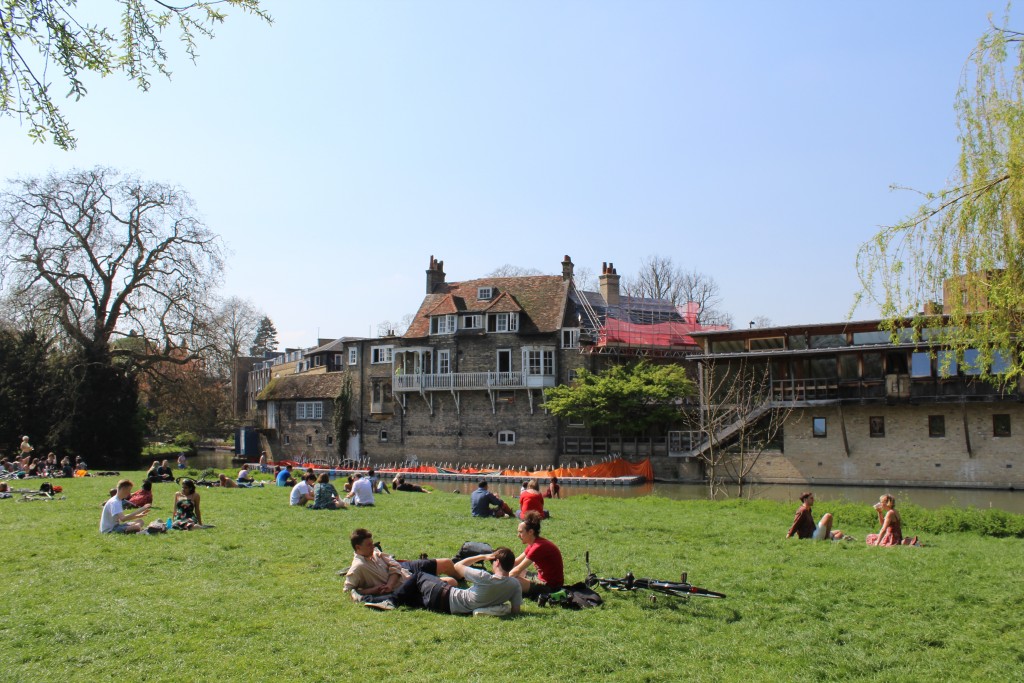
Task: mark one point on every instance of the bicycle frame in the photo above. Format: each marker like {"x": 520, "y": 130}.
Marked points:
{"x": 680, "y": 589}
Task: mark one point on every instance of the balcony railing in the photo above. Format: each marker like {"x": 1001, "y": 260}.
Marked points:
{"x": 457, "y": 381}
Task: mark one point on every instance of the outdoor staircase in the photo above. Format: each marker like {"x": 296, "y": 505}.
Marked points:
{"x": 724, "y": 434}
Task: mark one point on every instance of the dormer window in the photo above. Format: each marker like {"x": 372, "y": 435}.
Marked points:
{"x": 442, "y": 324}
{"x": 503, "y": 322}
{"x": 485, "y": 293}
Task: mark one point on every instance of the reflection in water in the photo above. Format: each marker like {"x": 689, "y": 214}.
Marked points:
{"x": 1011, "y": 501}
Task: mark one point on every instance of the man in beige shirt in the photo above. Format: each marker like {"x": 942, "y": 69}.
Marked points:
{"x": 376, "y": 573}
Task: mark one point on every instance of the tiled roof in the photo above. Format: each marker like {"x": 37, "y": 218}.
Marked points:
{"x": 505, "y": 303}
{"x": 540, "y": 298}
{"x": 297, "y": 387}
{"x": 447, "y": 305}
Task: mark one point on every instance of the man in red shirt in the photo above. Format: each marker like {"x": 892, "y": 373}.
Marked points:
{"x": 540, "y": 552}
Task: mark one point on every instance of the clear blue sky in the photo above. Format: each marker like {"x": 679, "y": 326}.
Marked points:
{"x": 338, "y": 149}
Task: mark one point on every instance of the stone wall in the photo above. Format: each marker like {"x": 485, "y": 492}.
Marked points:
{"x": 906, "y": 455}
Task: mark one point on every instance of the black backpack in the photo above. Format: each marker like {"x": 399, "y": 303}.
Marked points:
{"x": 471, "y": 549}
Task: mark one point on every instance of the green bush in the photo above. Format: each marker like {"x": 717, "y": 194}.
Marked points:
{"x": 186, "y": 440}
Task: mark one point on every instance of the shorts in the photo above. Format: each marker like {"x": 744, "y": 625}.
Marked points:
{"x": 821, "y": 533}
{"x": 119, "y": 529}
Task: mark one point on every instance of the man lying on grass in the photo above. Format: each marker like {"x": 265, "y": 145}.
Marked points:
{"x": 374, "y": 573}
{"x": 486, "y": 591}
{"x": 114, "y": 520}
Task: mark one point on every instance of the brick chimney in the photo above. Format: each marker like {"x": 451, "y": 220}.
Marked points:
{"x": 435, "y": 274}
{"x": 609, "y": 283}
{"x": 567, "y": 268}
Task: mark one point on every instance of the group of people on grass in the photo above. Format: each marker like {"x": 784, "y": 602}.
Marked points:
{"x": 483, "y": 503}
{"x": 317, "y": 489}
{"x": 890, "y": 533}
{"x": 124, "y": 510}
{"x": 381, "y": 582}
{"x": 24, "y": 464}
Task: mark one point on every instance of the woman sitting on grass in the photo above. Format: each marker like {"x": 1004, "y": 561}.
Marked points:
{"x": 891, "y": 532}
{"x": 325, "y": 496}
{"x": 531, "y": 500}
{"x": 186, "y": 506}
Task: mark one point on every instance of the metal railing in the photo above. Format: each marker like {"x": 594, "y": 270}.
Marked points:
{"x": 459, "y": 381}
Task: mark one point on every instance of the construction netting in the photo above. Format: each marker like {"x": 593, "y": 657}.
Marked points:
{"x": 632, "y": 325}
{"x": 602, "y": 470}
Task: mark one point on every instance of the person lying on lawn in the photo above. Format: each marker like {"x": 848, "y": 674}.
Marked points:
{"x": 486, "y": 590}
{"x": 374, "y": 573}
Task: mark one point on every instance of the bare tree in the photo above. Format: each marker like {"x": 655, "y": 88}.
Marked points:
{"x": 509, "y": 270}
{"x": 388, "y": 327}
{"x": 102, "y": 254}
{"x": 234, "y": 325}
{"x": 660, "y": 278}
{"x": 761, "y": 321}
{"x": 737, "y": 420}
{"x": 585, "y": 279}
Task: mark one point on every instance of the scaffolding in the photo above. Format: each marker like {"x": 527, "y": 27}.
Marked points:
{"x": 637, "y": 326}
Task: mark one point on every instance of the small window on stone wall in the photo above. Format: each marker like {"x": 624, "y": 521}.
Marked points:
{"x": 287, "y": 439}
{"x": 330, "y": 440}
{"x": 1000, "y": 425}
{"x": 819, "y": 427}
{"x": 937, "y": 426}
{"x": 383, "y": 437}
{"x": 876, "y": 425}
{"x": 309, "y": 440}
{"x": 506, "y": 438}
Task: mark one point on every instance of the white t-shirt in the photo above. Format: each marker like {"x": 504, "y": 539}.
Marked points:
{"x": 300, "y": 490}
{"x": 111, "y": 509}
{"x": 243, "y": 475}
{"x": 362, "y": 491}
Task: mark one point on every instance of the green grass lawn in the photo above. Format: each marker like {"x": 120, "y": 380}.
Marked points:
{"x": 257, "y": 598}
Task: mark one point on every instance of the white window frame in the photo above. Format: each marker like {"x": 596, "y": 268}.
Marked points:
{"x": 309, "y": 439}
{"x": 484, "y": 293}
{"x": 309, "y": 410}
{"x": 471, "y": 321}
{"x": 380, "y": 355}
{"x": 506, "y": 437}
{"x": 539, "y": 361}
{"x": 287, "y": 440}
{"x": 570, "y": 337}
{"x": 506, "y": 322}
{"x": 382, "y": 436}
{"x": 353, "y": 355}
{"x": 443, "y": 324}
{"x": 444, "y": 362}
{"x": 337, "y": 360}
{"x": 317, "y": 361}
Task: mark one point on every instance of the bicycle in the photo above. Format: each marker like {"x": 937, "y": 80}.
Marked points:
{"x": 680, "y": 589}
{"x": 203, "y": 478}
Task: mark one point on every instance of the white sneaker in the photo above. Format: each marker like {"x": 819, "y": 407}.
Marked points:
{"x": 383, "y": 605}
{"x": 357, "y": 596}
{"x": 493, "y": 611}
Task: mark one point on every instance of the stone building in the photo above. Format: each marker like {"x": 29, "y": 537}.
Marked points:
{"x": 868, "y": 411}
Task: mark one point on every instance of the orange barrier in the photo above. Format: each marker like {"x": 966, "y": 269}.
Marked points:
{"x": 619, "y": 467}
{"x": 614, "y": 468}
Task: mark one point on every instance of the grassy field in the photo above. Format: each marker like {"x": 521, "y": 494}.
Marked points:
{"x": 257, "y": 598}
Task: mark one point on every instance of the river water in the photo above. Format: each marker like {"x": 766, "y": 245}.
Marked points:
{"x": 1010, "y": 501}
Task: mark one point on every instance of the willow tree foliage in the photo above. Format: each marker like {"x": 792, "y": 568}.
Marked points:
{"x": 965, "y": 244}
{"x": 39, "y": 38}
{"x": 627, "y": 398}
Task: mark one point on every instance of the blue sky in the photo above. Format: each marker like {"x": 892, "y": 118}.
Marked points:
{"x": 338, "y": 149}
